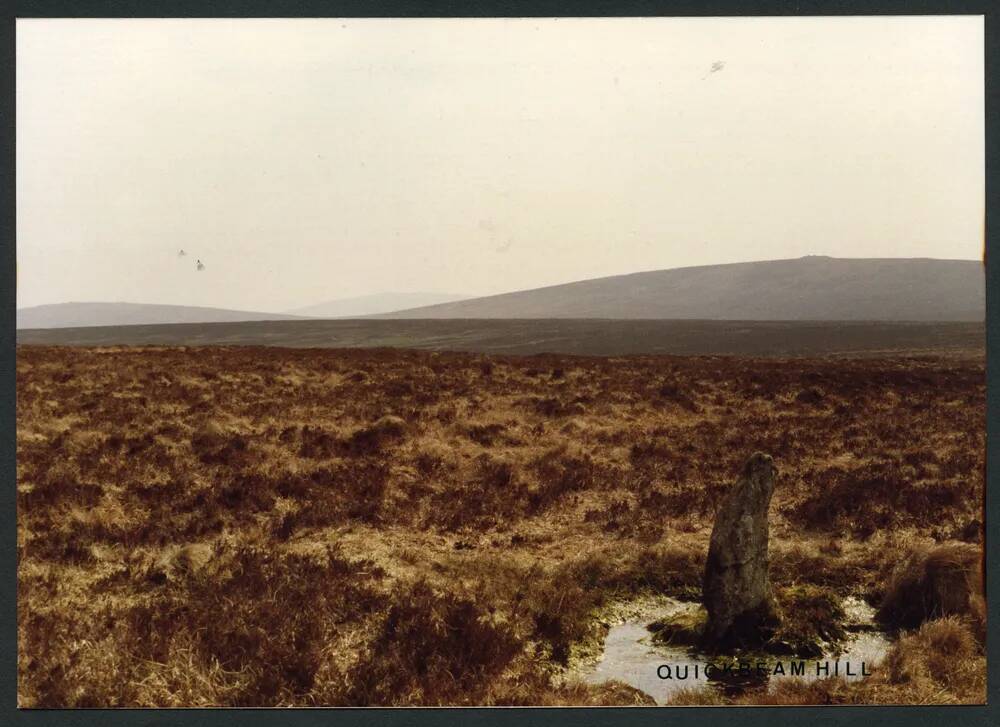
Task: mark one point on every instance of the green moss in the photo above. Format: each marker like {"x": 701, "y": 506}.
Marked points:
{"x": 812, "y": 617}
{"x": 683, "y": 628}
{"x": 688, "y": 593}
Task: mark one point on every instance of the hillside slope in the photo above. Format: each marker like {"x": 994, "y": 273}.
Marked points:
{"x": 365, "y": 305}
{"x": 78, "y": 315}
{"x": 809, "y": 288}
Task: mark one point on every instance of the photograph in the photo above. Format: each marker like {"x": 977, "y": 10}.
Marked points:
{"x": 500, "y": 362}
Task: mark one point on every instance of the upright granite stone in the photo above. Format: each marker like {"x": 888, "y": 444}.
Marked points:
{"x": 736, "y": 590}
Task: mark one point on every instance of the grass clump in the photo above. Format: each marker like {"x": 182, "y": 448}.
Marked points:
{"x": 685, "y": 628}
{"x": 811, "y": 619}
{"x": 932, "y": 582}
{"x": 433, "y": 648}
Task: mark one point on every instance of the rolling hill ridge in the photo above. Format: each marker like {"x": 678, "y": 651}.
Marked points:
{"x": 813, "y": 288}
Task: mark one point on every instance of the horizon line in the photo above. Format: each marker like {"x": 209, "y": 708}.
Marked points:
{"x": 285, "y": 311}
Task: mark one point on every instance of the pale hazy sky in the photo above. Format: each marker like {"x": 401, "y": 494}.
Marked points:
{"x": 307, "y": 160}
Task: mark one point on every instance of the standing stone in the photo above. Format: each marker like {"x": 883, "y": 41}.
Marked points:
{"x": 736, "y": 590}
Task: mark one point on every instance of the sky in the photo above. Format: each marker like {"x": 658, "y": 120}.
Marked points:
{"x": 314, "y": 159}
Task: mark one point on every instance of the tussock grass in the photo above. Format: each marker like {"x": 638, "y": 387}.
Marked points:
{"x": 932, "y": 582}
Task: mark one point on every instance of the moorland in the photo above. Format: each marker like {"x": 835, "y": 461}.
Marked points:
{"x": 213, "y": 525}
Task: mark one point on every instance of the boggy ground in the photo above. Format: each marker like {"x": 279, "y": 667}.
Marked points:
{"x": 250, "y": 526}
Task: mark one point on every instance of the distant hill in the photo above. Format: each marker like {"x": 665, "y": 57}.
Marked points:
{"x": 78, "y": 315}
{"x": 373, "y": 304}
{"x": 813, "y": 288}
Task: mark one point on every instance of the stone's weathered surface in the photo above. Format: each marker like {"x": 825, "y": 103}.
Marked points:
{"x": 736, "y": 591}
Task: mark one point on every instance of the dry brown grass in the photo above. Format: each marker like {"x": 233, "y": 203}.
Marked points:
{"x": 220, "y": 526}
{"x": 932, "y": 582}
